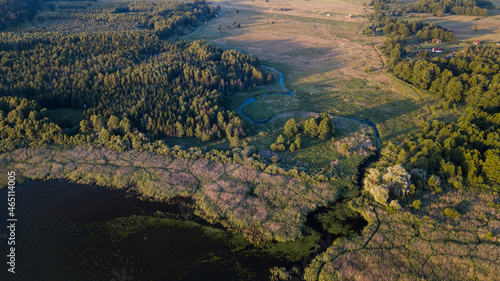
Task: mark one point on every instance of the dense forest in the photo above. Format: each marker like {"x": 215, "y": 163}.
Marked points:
{"x": 158, "y": 88}
{"x": 454, "y": 7}
{"x": 164, "y": 18}
{"x": 462, "y": 153}
{"x": 398, "y": 30}
{"x": 436, "y": 7}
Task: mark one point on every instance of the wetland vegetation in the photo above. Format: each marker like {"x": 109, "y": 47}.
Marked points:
{"x": 374, "y": 158}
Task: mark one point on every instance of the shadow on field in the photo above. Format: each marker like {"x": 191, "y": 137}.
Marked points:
{"x": 386, "y": 111}
{"x": 465, "y": 29}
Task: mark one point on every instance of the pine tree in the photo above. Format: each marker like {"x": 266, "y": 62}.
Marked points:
{"x": 298, "y": 143}
{"x": 290, "y": 128}
{"x": 491, "y": 166}
{"x": 311, "y": 128}
{"x": 324, "y": 129}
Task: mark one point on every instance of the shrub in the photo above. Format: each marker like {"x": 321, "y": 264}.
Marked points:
{"x": 417, "y": 204}
{"x": 450, "y": 212}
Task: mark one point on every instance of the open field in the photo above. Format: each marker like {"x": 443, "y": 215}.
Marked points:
{"x": 322, "y": 58}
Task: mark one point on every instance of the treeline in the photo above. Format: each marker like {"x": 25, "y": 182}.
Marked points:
{"x": 471, "y": 76}
{"x": 454, "y": 7}
{"x": 465, "y": 152}
{"x": 436, "y": 7}
{"x": 164, "y": 89}
{"x": 164, "y": 18}
{"x": 462, "y": 153}
{"x": 398, "y": 30}
{"x": 24, "y": 123}
{"x": 320, "y": 127}
{"x": 13, "y": 12}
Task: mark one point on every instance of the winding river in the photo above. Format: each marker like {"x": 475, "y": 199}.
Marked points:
{"x": 289, "y": 92}
{"x": 358, "y": 223}
{"x": 62, "y": 234}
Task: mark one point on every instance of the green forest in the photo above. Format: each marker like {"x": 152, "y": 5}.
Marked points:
{"x": 436, "y": 7}
{"x": 124, "y": 82}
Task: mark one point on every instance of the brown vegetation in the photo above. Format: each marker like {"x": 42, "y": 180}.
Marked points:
{"x": 260, "y": 205}
{"x": 419, "y": 244}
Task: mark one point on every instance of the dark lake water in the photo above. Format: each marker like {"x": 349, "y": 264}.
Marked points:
{"x": 59, "y": 236}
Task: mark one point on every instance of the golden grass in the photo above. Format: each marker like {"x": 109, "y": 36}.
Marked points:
{"x": 318, "y": 55}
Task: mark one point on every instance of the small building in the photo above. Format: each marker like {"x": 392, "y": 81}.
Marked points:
{"x": 449, "y": 56}
{"x": 436, "y": 41}
{"x": 437, "y": 50}
{"x": 349, "y": 16}
{"x": 477, "y": 42}
{"x": 426, "y": 42}
{"x": 498, "y": 43}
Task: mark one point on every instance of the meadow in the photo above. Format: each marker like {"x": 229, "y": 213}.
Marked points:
{"x": 323, "y": 60}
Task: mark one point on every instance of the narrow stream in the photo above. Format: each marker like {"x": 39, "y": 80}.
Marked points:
{"x": 62, "y": 234}
{"x": 356, "y": 221}
{"x": 289, "y": 92}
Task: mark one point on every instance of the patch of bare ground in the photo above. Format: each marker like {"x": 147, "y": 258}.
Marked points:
{"x": 419, "y": 244}
{"x": 259, "y": 205}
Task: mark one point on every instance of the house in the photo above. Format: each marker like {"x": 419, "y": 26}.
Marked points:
{"x": 426, "y": 42}
{"x": 498, "y": 43}
{"x": 349, "y": 16}
{"x": 477, "y": 42}
{"x": 437, "y": 50}
{"x": 436, "y": 41}
{"x": 449, "y": 56}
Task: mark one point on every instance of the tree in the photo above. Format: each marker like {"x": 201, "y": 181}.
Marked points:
{"x": 324, "y": 129}
{"x": 397, "y": 180}
{"x": 290, "y": 128}
{"x": 344, "y": 148}
{"x": 311, "y": 128}
{"x": 417, "y": 204}
{"x": 298, "y": 143}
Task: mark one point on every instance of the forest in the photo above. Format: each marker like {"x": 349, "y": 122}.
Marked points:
{"x": 438, "y": 8}
{"x": 463, "y": 153}
{"x": 15, "y": 11}
{"x": 454, "y": 7}
{"x": 133, "y": 78}
{"x": 397, "y": 30}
